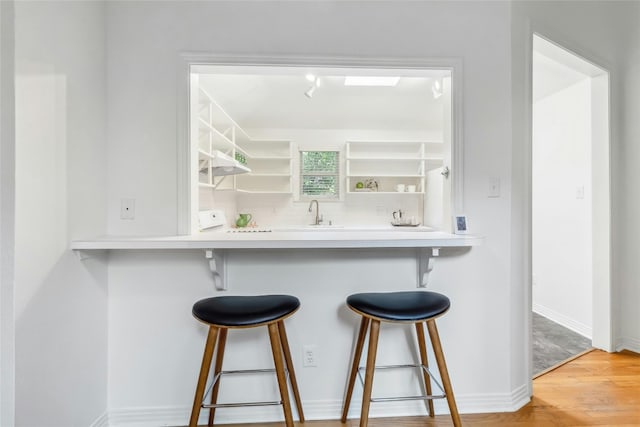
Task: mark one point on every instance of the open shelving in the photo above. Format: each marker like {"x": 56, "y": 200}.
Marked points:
{"x": 391, "y": 163}
{"x": 270, "y": 167}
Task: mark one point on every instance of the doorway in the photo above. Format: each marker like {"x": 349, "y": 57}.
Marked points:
{"x": 570, "y": 206}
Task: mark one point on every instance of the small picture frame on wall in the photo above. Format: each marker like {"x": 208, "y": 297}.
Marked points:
{"x": 460, "y": 224}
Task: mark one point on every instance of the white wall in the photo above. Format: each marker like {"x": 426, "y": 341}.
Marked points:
{"x": 600, "y": 31}
{"x": 629, "y": 228}
{"x": 60, "y": 302}
{"x": 488, "y": 284}
{"x": 561, "y": 150}
{"x": 144, "y": 42}
{"x": 7, "y": 215}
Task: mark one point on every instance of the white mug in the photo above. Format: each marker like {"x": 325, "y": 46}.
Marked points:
{"x": 400, "y": 187}
{"x": 411, "y": 188}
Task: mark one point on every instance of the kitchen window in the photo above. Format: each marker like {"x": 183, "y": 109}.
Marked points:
{"x": 319, "y": 174}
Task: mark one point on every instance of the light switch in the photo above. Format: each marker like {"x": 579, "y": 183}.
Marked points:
{"x": 580, "y": 192}
{"x": 494, "y": 186}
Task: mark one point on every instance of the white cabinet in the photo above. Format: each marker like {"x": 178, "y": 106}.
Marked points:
{"x": 270, "y": 163}
{"x": 391, "y": 164}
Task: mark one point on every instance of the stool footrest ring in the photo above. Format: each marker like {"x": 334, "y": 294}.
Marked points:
{"x": 401, "y": 398}
{"x": 218, "y": 377}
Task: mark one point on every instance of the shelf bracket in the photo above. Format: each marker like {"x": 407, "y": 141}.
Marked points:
{"x": 215, "y": 186}
{"x": 218, "y": 266}
{"x": 81, "y": 254}
{"x": 425, "y": 258}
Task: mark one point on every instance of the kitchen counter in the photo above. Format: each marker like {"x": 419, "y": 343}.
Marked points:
{"x": 216, "y": 243}
{"x": 293, "y": 238}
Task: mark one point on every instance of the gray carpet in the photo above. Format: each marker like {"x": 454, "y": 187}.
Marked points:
{"x": 553, "y": 343}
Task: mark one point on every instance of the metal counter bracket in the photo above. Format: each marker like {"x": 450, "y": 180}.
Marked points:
{"x": 218, "y": 266}
{"x": 425, "y": 258}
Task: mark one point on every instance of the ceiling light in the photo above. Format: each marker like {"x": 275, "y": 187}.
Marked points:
{"x": 436, "y": 89}
{"x": 310, "y": 77}
{"x": 371, "y": 81}
{"x": 309, "y": 92}
{"x": 316, "y": 84}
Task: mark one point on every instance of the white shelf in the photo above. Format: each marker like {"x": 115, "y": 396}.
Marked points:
{"x": 271, "y": 168}
{"x": 382, "y": 175}
{"x": 395, "y": 193}
{"x": 270, "y": 174}
{"x": 263, "y": 192}
{"x": 390, "y": 163}
{"x": 220, "y": 139}
{"x": 377, "y": 159}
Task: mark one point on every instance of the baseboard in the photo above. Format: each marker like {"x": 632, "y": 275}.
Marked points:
{"x": 628, "y": 343}
{"x": 315, "y": 410}
{"x": 101, "y": 421}
{"x": 569, "y": 323}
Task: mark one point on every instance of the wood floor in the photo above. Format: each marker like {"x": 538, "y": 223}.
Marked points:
{"x": 596, "y": 389}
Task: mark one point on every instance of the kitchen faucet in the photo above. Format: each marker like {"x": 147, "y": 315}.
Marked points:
{"x": 318, "y": 220}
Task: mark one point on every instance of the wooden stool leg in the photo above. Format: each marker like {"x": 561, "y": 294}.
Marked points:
{"x": 444, "y": 374}
{"x": 276, "y": 349}
{"x": 364, "y": 324}
{"x": 371, "y": 365}
{"x": 204, "y": 373}
{"x": 292, "y": 373}
{"x": 222, "y": 340}
{"x": 423, "y": 358}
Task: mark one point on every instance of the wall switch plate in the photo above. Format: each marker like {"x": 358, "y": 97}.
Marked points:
{"x": 580, "y": 192}
{"x": 310, "y": 355}
{"x": 127, "y": 208}
{"x": 494, "y": 186}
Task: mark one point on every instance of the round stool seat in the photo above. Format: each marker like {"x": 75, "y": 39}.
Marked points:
{"x": 411, "y": 306}
{"x": 239, "y": 311}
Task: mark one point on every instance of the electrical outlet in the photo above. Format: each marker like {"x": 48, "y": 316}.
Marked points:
{"x": 127, "y": 208}
{"x": 310, "y": 355}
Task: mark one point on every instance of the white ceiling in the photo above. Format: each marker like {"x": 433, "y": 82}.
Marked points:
{"x": 258, "y": 98}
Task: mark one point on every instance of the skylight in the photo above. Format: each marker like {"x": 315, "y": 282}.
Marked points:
{"x": 371, "y": 81}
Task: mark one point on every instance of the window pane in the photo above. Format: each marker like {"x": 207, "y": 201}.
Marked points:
{"x": 320, "y": 161}
{"x": 320, "y": 185}
{"x": 319, "y": 174}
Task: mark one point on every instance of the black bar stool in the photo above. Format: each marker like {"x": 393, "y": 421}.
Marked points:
{"x": 234, "y": 312}
{"x": 414, "y": 307}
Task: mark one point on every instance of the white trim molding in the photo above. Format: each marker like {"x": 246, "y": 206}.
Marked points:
{"x": 7, "y": 214}
{"x": 101, "y": 421}
{"x": 316, "y": 410}
{"x": 561, "y": 319}
{"x": 628, "y": 343}
{"x": 183, "y": 138}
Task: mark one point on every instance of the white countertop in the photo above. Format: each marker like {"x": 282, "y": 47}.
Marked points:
{"x": 292, "y": 238}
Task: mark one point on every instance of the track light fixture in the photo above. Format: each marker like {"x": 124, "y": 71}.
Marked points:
{"x": 316, "y": 84}
{"x": 436, "y": 88}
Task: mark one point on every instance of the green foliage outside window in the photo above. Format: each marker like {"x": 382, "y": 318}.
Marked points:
{"x": 319, "y": 174}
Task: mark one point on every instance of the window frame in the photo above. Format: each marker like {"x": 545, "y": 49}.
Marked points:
{"x": 187, "y": 217}
{"x": 338, "y": 174}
